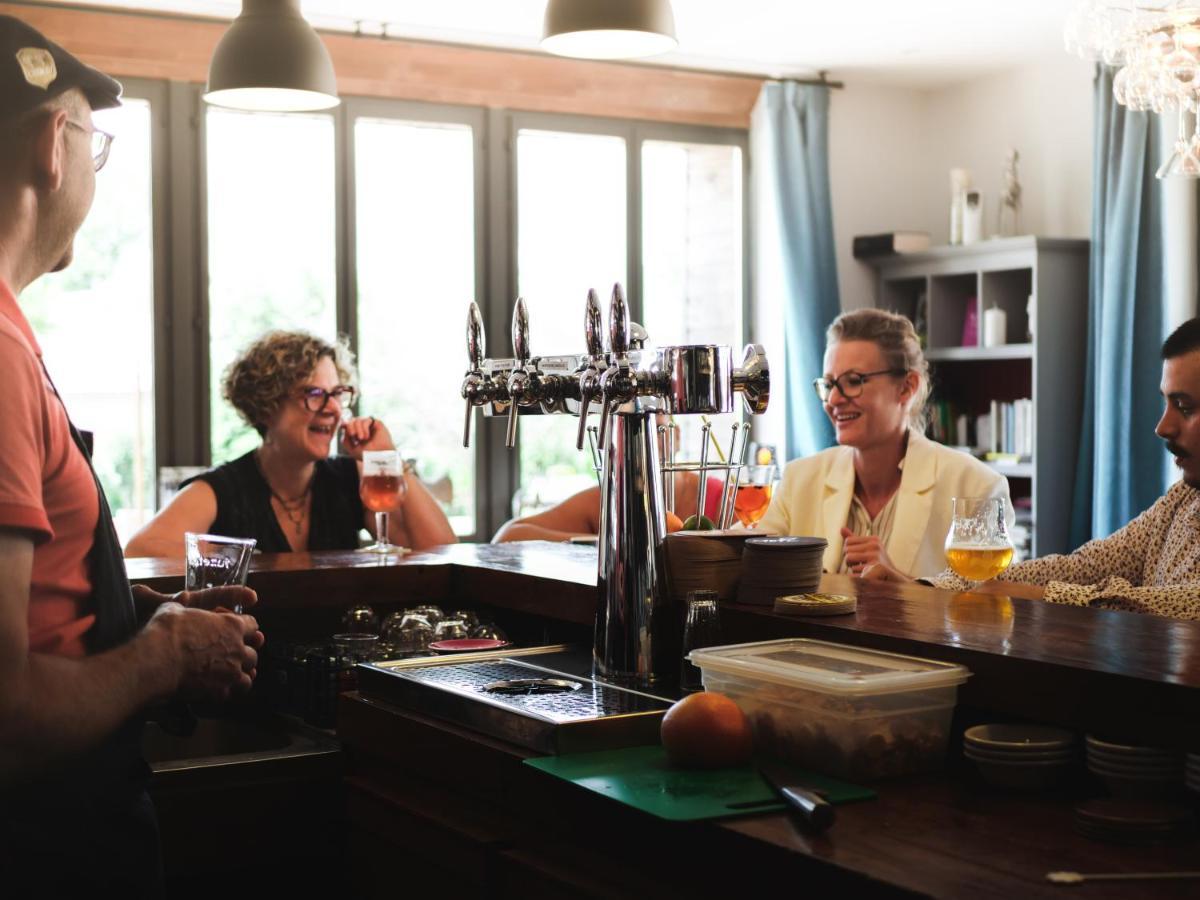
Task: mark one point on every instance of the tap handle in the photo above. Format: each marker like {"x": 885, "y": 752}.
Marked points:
{"x": 593, "y": 325}
{"x": 467, "y": 423}
{"x": 520, "y": 331}
{"x": 618, "y": 322}
{"x": 587, "y": 389}
{"x": 510, "y": 437}
{"x": 475, "y": 338}
{"x": 606, "y": 410}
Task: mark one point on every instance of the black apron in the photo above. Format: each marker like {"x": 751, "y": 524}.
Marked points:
{"x": 89, "y": 825}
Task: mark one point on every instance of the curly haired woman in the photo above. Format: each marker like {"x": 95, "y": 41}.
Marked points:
{"x": 289, "y": 494}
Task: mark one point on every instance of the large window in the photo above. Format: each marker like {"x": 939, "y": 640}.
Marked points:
{"x": 692, "y": 257}
{"x": 415, "y": 236}
{"x": 380, "y": 220}
{"x": 571, "y": 215}
{"x": 271, "y": 243}
{"x": 95, "y": 320}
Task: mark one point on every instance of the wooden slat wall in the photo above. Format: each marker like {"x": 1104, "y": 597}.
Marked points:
{"x": 179, "y": 49}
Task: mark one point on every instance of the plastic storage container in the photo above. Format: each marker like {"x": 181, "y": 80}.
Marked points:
{"x": 847, "y": 711}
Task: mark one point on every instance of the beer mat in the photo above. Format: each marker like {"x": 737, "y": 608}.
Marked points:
{"x": 816, "y": 604}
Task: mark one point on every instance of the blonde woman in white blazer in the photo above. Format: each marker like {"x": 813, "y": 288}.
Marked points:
{"x": 883, "y": 494}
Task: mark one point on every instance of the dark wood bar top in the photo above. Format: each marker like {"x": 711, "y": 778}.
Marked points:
{"x": 431, "y": 786}
{"x": 1122, "y": 674}
{"x": 462, "y": 803}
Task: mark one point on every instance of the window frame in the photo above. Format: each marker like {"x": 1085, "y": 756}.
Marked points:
{"x": 182, "y": 426}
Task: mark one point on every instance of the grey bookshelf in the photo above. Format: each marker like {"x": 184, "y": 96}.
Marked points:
{"x": 1044, "y": 362}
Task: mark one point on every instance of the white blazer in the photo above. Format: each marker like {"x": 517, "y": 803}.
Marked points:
{"x": 815, "y": 493}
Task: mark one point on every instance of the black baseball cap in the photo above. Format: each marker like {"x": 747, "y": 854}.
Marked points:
{"x": 34, "y": 69}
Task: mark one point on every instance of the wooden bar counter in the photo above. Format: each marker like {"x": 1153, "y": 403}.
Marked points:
{"x": 429, "y": 801}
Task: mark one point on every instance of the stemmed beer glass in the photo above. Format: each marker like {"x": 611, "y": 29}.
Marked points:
{"x": 382, "y": 489}
{"x": 978, "y": 546}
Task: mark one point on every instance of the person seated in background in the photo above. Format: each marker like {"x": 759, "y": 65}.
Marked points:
{"x": 289, "y": 494}
{"x": 883, "y": 494}
{"x": 1152, "y": 565}
{"x": 579, "y": 515}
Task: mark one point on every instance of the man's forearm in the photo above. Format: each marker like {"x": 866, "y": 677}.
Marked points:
{"x": 57, "y": 707}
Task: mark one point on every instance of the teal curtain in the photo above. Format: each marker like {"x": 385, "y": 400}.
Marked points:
{"x": 790, "y": 159}
{"x": 1120, "y": 459}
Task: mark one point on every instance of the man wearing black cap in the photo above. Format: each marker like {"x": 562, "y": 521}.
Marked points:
{"x": 79, "y": 658}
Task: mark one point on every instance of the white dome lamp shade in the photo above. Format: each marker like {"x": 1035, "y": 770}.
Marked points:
{"x": 608, "y": 29}
{"x": 270, "y": 59}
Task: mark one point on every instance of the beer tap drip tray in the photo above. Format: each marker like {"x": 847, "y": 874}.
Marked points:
{"x": 536, "y": 698}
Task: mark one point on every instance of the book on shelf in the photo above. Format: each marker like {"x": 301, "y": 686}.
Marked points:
{"x": 1003, "y": 434}
{"x": 868, "y": 246}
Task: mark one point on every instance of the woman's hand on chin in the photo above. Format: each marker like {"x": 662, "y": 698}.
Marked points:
{"x": 365, "y": 433}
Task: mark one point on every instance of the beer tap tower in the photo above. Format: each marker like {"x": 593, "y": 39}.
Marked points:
{"x": 638, "y": 630}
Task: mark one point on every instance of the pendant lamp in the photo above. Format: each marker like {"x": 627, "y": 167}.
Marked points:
{"x": 608, "y": 29}
{"x": 271, "y": 59}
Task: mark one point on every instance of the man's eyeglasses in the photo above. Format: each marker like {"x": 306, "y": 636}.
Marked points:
{"x": 101, "y": 143}
{"x": 849, "y": 383}
{"x": 316, "y": 399}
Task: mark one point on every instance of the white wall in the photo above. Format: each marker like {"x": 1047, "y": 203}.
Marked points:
{"x": 891, "y": 151}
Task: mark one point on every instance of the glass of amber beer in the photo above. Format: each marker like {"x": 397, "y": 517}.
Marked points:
{"x": 382, "y": 489}
{"x": 754, "y": 494}
{"x": 978, "y": 546}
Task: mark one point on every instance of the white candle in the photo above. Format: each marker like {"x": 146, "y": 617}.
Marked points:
{"x": 994, "y": 324}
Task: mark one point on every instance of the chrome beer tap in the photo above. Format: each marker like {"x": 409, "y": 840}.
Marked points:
{"x": 527, "y": 386}
{"x": 477, "y": 388}
{"x": 589, "y": 376}
{"x": 638, "y": 628}
{"x": 618, "y": 384}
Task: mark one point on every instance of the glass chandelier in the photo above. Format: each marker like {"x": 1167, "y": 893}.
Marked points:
{"x": 1156, "y": 46}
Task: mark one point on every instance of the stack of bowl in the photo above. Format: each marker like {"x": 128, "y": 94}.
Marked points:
{"x": 1119, "y": 821}
{"x": 778, "y": 566}
{"x": 1129, "y": 770}
{"x": 1024, "y": 757}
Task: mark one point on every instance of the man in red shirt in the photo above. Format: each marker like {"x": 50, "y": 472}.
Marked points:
{"x": 79, "y": 658}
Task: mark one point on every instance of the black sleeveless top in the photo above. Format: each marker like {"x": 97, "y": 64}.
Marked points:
{"x": 244, "y": 505}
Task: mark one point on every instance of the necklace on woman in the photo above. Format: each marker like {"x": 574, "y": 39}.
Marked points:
{"x": 294, "y": 509}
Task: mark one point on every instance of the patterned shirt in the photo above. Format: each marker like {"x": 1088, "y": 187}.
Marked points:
{"x": 859, "y": 521}
{"x": 1152, "y": 565}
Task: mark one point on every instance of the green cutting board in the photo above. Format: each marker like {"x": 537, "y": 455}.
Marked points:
{"x": 641, "y": 777}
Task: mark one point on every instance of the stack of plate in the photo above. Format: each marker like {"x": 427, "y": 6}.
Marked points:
{"x": 776, "y": 566}
{"x": 705, "y": 561}
{"x": 1192, "y": 772}
{"x": 1025, "y": 757}
{"x": 1129, "y": 770}
{"x": 1132, "y": 821}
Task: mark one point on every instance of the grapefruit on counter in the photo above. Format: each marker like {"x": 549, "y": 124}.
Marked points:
{"x": 674, "y": 523}
{"x": 706, "y": 731}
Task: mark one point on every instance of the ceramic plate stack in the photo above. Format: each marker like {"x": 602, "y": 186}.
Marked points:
{"x": 1128, "y": 770}
{"x": 705, "y": 561}
{"x": 1192, "y": 772}
{"x": 1026, "y": 757}
{"x": 776, "y": 566}
{"x": 1132, "y": 821}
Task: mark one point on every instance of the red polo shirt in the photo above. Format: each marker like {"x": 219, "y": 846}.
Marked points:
{"x": 46, "y": 490}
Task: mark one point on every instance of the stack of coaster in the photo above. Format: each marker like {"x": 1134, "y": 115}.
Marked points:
{"x": 778, "y": 566}
{"x": 816, "y": 604}
{"x": 705, "y": 561}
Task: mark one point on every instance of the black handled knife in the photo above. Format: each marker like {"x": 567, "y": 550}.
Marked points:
{"x": 812, "y": 808}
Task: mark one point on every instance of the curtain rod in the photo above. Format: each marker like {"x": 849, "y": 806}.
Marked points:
{"x": 821, "y": 78}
